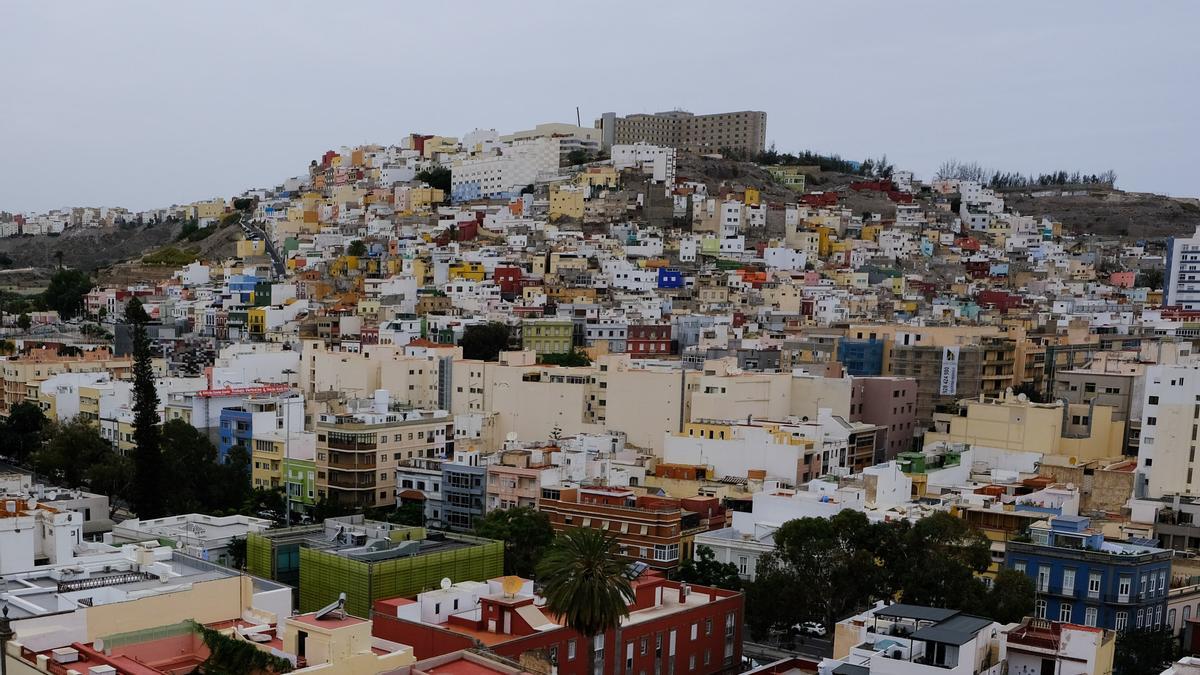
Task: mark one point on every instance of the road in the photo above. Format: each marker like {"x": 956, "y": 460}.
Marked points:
{"x": 814, "y": 648}
{"x": 254, "y": 231}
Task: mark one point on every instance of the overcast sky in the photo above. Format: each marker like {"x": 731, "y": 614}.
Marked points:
{"x": 145, "y": 104}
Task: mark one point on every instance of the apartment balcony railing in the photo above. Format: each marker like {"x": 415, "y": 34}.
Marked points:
{"x": 351, "y": 481}
{"x": 352, "y": 461}
{"x": 349, "y": 444}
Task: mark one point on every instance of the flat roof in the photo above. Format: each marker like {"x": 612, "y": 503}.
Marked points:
{"x": 956, "y": 630}
{"x": 916, "y": 612}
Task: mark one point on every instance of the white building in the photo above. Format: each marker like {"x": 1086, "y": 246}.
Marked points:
{"x": 1181, "y": 282}
{"x": 655, "y": 160}
{"x": 1167, "y": 445}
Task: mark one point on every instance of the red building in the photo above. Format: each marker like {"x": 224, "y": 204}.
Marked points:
{"x": 656, "y": 530}
{"x": 648, "y": 340}
{"x": 671, "y": 627}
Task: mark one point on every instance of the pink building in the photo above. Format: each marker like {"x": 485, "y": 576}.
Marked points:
{"x": 1123, "y": 279}
{"x": 517, "y": 479}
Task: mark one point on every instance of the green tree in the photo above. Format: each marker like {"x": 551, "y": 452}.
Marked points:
{"x": 24, "y": 322}
{"x": 236, "y": 550}
{"x": 1031, "y": 392}
{"x": 22, "y": 432}
{"x": 72, "y": 449}
{"x": 189, "y": 466}
{"x": 411, "y": 513}
{"x": 525, "y": 531}
{"x": 704, "y": 569}
{"x": 484, "y": 341}
{"x": 436, "y": 177}
{"x": 942, "y": 554}
{"x": 65, "y": 292}
{"x": 112, "y": 475}
{"x": 1149, "y": 278}
{"x": 1011, "y": 597}
{"x": 585, "y": 584}
{"x": 150, "y": 490}
{"x": 573, "y": 358}
{"x": 357, "y": 248}
{"x": 1144, "y": 652}
{"x": 578, "y": 156}
{"x": 822, "y": 569}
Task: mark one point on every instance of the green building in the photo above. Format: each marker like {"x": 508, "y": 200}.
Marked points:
{"x": 548, "y": 336}
{"x": 791, "y": 177}
{"x": 300, "y": 478}
{"x": 368, "y": 560}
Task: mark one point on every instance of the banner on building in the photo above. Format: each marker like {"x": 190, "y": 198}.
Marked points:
{"x": 949, "y": 380}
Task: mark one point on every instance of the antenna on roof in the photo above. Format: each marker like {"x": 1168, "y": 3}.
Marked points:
{"x": 578, "y": 121}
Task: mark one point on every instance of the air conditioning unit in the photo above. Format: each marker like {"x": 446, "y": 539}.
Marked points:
{"x": 102, "y": 670}
{"x": 64, "y": 655}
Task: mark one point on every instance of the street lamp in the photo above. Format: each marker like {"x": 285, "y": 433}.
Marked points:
{"x": 287, "y": 442}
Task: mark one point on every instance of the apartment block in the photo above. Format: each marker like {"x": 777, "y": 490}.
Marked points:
{"x": 745, "y": 131}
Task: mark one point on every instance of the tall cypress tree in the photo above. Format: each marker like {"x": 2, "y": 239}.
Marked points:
{"x": 148, "y": 492}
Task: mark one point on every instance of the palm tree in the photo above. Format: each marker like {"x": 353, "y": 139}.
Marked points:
{"x": 586, "y": 585}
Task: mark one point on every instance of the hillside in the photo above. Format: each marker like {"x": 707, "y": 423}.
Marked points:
{"x": 1137, "y": 215}
{"x": 94, "y": 249}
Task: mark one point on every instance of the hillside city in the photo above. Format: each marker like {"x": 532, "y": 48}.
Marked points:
{"x": 647, "y": 396}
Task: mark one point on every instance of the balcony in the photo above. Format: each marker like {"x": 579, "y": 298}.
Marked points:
{"x": 352, "y": 461}
{"x": 335, "y": 443}
{"x": 351, "y": 481}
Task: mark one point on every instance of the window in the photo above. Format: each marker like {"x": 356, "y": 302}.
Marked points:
{"x": 1140, "y": 617}
{"x": 570, "y": 650}
{"x": 1089, "y": 617}
{"x": 1019, "y": 566}
{"x": 1064, "y": 612}
{"x": 1122, "y": 621}
{"x": 1153, "y": 400}
{"x": 1043, "y": 578}
{"x": 1123, "y": 589}
{"x": 1151, "y": 421}
{"x": 1068, "y": 583}
{"x": 1039, "y": 609}
{"x": 692, "y": 662}
{"x": 695, "y": 630}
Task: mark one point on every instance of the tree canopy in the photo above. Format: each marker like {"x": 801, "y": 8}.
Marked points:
{"x": 484, "y": 341}
{"x": 525, "y": 531}
{"x": 585, "y": 583}
{"x": 66, "y": 291}
{"x": 825, "y": 569}
{"x": 150, "y": 490}
{"x": 704, "y": 569}
{"x": 436, "y": 177}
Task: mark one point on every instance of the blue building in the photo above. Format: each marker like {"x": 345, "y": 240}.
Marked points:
{"x": 241, "y": 287}
{"x": 237, "y": 428}
{"x": 669, "y": 278}
{"x": 861, "y": 358}
{"x": 463, "y": 492}
{"x": 1081, "y": 578}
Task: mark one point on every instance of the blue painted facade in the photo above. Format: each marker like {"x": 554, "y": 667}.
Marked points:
{"x": 236, "y": 429}
{"x": 1081, "y": 578}
{"x": 669, "y": 278}
{"x": 241, "y": 287}
{"x": 861, "y": 358}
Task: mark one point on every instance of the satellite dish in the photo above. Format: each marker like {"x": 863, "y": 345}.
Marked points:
{"x": 446, "y": 583}
{"x": 512, "y": 585}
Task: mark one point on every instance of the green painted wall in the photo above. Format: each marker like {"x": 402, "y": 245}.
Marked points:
{"x": 258, "y": 556}
{"x": 324, "y": 575}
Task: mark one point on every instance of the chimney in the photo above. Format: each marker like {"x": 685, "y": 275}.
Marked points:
{"x": 683, "y": 593}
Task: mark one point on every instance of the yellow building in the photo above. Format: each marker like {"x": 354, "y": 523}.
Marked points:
{"x": 213, "y": 208}
{"x": 603, "y": 176}
{"x": 471, "y": 271}
{"x": 548, "y": 336}
{"x": 256, "y": 321}
{"x": 566, "y": 202}
{"x": 1012, "y": 423}
{"x": 250, "y": 248}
